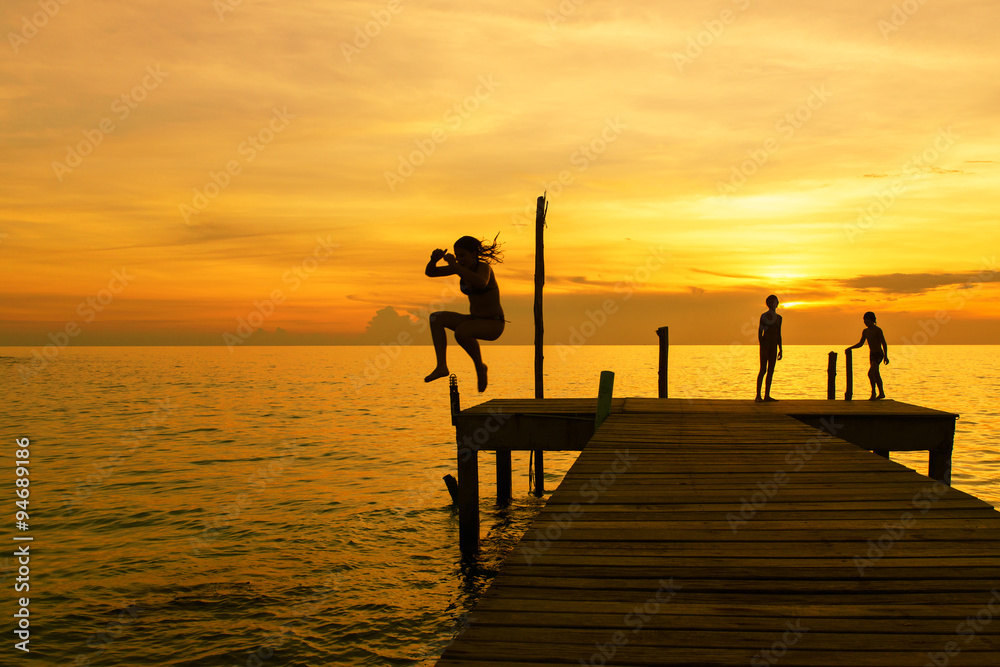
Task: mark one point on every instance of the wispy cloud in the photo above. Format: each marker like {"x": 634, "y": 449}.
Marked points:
{"x": 740, "y": 276}
{"x": 912, "y": 283}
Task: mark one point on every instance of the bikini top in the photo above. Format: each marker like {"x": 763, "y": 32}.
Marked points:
{"x": 470, "y": 290}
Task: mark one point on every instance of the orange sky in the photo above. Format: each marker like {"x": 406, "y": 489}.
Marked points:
{"x": 294, "y": 164}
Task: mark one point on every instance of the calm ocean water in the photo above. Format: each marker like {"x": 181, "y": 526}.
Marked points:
{"x": 284, "y": 506}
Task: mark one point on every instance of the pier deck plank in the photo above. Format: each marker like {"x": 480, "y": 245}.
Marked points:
{"x": 730, "y": 533}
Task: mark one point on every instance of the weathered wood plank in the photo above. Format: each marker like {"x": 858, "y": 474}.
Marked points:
{"x": 602, "y": 580}
{"x": 502, "y": 653}
{"x": 772, "y": 609}
{"x": 720, "y": 657}
{"x": 639, "y": 634}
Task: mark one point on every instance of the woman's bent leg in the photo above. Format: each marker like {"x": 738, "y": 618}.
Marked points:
{"x": 468, "y": 336}
{"x": 440, "y": 321}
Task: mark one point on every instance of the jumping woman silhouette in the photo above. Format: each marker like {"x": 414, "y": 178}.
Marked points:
{"x": 485, "y": 321}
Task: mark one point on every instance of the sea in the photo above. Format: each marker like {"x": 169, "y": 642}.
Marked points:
{"x": 273, "y": 506}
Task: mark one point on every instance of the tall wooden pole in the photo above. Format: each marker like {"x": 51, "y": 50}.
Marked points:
{"x": 540, "y": 210}
{"x": 539, "y": 284}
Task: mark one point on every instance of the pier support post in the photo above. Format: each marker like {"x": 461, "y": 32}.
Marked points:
{"x": 539, "y": 474}
{"x": 939, "y": 465}
{"x": 849, "y": 374}
{"x": 664, "y": 335}
{"x": 504, "y": 482}
{"x": 831, "y": 377}
{"x": 468, "y": 496}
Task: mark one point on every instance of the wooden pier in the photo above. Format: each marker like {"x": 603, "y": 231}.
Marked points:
{"x": 735, "y": 533}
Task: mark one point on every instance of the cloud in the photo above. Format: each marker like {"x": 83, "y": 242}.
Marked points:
{"x": 727, "y": 275}
{"x": 578, "y": 280}
{"x": 387, "y": 326}
{"x": 912, "y": 283}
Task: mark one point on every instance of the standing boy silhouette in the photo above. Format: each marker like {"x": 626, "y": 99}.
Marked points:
{"x": 878, "y": 352}
{"x": 769, "y": 337}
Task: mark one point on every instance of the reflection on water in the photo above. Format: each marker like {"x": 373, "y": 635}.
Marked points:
{"x": 284, "y": 506}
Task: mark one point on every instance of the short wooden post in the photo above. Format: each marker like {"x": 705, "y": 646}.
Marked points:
{"x": 453, "y": 397}
{"x": 939, "y": 465}
{"x": 831, "y": 377}
{"x": 849, "y": 374}
{"x": 452, "y": 484}
{"x": 604, "y": 394}
{"x": 664, "y": 335}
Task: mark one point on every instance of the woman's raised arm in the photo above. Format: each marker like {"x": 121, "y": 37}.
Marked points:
{"x": 435, "y": 271}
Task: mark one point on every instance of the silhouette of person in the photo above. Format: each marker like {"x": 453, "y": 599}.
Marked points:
{"x": 878, "y": 352}
{"x": 485, "y": 321}
{"x": 769, "y": 338}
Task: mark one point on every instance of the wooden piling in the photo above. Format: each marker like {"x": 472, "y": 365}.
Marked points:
{"x": 468, "y": 495}
{"x": 939, "y": 466}
{"x": 831, "y": 377}
{"x": 505, "y": 485}
{"x": 541, "y": 208}
{"x": 849, "y": 374}
{"x": 464, "y": 492}
{"x": 539, "y": 285}
{"x": 604, "y": 394}
{"x": 453, "y": 397}
{"x": 663, "y": 333}
{"x": 452, "y": 484}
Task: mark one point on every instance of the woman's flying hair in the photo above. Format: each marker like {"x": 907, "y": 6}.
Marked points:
{"x": 488, "y": 252}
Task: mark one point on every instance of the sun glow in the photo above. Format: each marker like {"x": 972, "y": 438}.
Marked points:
{"x": 694, "y": 189}
{"x": 774, "y": 204}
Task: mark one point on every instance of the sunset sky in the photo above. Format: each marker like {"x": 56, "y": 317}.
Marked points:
{"x": 172, "y": 168}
